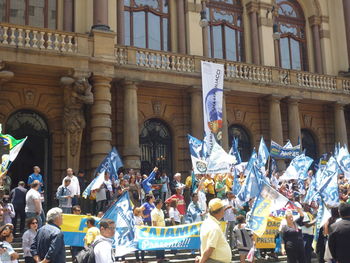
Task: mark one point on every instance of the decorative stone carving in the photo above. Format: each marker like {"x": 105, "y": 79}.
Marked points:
{"x": 307, "y": 120}
{"x": 239, "y": 115}
{"x": 157, "y": 106}
{"x": 77, "y": 92}
{"x": 29, "y": 96}
{"x": 5, "y": 75}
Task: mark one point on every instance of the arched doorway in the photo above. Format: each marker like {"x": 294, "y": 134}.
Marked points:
{"x": 156, "y": 146}
{"x": 244, "y": 142}
{"x": 35, "y": 151}
{"x": 309, "y": 143}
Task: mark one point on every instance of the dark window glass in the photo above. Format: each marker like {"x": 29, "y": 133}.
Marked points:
{"x": 37, "y": 13}
{"x": 156, "y": 146}
{"x": 309, "y": 143}
{"x": 225, "y": 30}
{"x": 291, "y": 26}
{"x": 146, "y": 24}
{"x": 244, "y": 142}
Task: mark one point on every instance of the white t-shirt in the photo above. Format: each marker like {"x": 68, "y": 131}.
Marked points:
{"x": 32, "y": 195}
{"x": 229, "y": 216}
{"x": 174, "y": 213}
{"x": 103, "y": 250}
{"x": 74, "y": 186}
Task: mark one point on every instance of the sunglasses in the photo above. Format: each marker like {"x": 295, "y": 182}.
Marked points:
{"x": 34, "y": 223}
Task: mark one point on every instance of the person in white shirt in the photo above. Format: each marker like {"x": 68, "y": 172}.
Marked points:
{"x": 103, "y": 243}
{"x": 33, "y": 203}
{"x": 74, "y": 186}
{"x": 174, "y": 214}
{"x": 9, "y": 211}
{"x": 230, "y": 216}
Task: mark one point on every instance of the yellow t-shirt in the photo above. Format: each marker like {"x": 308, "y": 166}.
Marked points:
{"x": 157, "y": 216}
{"x": 229, "y": 183}
{"x": 188, "y": 181}
{"x": 91, "y": 234}
{"x": 212, "y": 235}
{"x": 209, "y": 186}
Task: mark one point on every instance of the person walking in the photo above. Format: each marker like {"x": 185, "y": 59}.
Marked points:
{"x": 230, "y": 216}
{"x": 243, "y": 238}
{"x": 33, "y": 206}
{"x": 18, "y": 199}
{"x": 340, "y": 235}
{"x": 74, "y": 186}
{"x": 292, "y": 237}
{"x": 28, "y": 239}
{"x": 214, "y": 246}
{"x": 48, "y": 245}
{"x": 64, "y": 197}
{"x": 103, "y": 243}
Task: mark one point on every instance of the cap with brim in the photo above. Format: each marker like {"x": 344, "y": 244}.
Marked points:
{"x": 215, "y": 204}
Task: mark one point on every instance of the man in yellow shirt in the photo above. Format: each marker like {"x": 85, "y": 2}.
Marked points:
{"x": 214, "y": 246}
{"x": 157, "y": 217}
{"x": 209, "y": 186}
{"x": 92, "y": 232}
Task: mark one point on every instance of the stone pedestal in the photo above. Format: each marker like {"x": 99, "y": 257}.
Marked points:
{"x": 340, "y": 125}
{"x": 294, "y": 120}
{"x": 131, "y": 149}
{"x": 101, "y": 123}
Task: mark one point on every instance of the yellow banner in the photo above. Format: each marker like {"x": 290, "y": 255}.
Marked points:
{"x": 267, "y": 240}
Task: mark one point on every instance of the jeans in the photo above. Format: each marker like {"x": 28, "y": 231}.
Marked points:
{"x": 38, "y": 218}
{"x": 229, "y": 233}
{"x": 308, "y": 247}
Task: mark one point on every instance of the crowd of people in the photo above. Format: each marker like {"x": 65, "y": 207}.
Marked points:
{"x": 159, "y": 200}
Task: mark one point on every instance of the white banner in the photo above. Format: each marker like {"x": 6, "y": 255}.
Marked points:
{"x": 213, "y": 88}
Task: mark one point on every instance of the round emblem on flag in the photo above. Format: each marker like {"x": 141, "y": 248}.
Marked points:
{"x": 201, "y": 166}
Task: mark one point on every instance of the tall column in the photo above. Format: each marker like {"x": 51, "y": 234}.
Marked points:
{"x": 120, "y": 23}
{"x": 181, "y": 30}
{"x": 131, "y": 150}
{"x": 339, "y": 124}
{"x": 205, "y": 32}
{"x": 346, "y": 8}
{"x": 101, "y": 122}
{"x": 252, "y": 9}
{"x": 275, "y": 120}
{"x": 315, "y": 23}
{"x": 197, "y": 122}
{"x": 100, "y": 15}
{"x": 224, "y": 125}
{"x": 68, "y": 20}
{"x": 294, "y": 120}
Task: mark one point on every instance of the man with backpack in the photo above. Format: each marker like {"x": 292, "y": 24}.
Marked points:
{"x": 103, "y": 243}
{"x": 64, "y": 197}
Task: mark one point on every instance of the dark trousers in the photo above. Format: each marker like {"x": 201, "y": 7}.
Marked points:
{"x": 29, "y": 260}
{"x": 101, "y": 205}
{"x": 22, "y": 216}
{"x": 308, "y": 247}
{"x": 295, "y": 255}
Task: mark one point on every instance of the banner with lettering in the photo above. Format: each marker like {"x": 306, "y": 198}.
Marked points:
{"x": 175, "y": 237}
{"x": 74, "y": 229}
{"x": 267, "y": 240}
{"x": 284, "y": 152}
{"x": 212, "y": 89}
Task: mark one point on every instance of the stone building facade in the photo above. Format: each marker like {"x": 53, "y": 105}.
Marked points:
{"x": 79, "y": 77}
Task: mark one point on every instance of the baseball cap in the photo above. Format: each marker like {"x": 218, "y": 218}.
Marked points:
{"x": 215, "y": 204}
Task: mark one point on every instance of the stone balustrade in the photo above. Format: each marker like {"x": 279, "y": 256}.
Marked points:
{"x": 38, "y": 38}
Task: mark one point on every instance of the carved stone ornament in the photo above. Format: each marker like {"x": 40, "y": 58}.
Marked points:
{"x": 307, "y": 120}
{"x": 239, "y": 115}
{"x": 29, "y": 96}
{"x": 157, "y": 106}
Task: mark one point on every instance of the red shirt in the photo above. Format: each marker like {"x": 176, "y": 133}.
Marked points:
{"x": 181, "y": 205}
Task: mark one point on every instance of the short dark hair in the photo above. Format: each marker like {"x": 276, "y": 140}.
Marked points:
{"x": 240, "y": 219}
{"x": 194, "y": 194}
{"x": 344, "y": 210}
{"x": 91, "y": 221}
{"x": 158, "y": 201}
{"x": 105, "y": 223}
{"x": 76, "y": 207}
{"x": 148, "y": 197}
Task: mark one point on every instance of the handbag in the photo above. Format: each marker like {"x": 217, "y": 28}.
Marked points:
{"x": 250, "y": 256}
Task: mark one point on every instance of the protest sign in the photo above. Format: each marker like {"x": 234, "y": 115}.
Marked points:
{"x": 267, "y": 240}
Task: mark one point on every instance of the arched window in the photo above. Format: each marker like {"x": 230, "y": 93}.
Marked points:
{"x": 309, "y": 143}
{"x": 156, "y": 146}
{"x": 38, "y": 13}
{"x": 244, "y": 144}
{"x": 147, "y": 24}
{"x": 226, "y": 30}
{"x": 291, "y": 26}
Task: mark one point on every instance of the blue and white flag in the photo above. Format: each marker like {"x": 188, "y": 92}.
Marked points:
{"x": 343, "y": 159}
{"x": 236, "y": 185}
{"x": 263, "y": 153}
{"x": 234, "y": 150}
{"x": 298, "y": 168}
{"x": 268, "y": 200}
{"x": 111, "y": 163}
{"x": 220, "y": 161}
{"x": 328, "y": 188}
{"x": 121, "y": 213}
{"x": 198, "y": 155}
{"x": 311, "y": 193}
{"x": 323, "y": 214}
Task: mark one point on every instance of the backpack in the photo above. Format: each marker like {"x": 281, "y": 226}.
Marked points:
{"x": 87, "y": 255}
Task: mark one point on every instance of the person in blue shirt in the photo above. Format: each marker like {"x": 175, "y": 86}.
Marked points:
{"x": 148, "y": 207}
{"x": 147, "y": 183}
{"x": 36, "y": 176}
